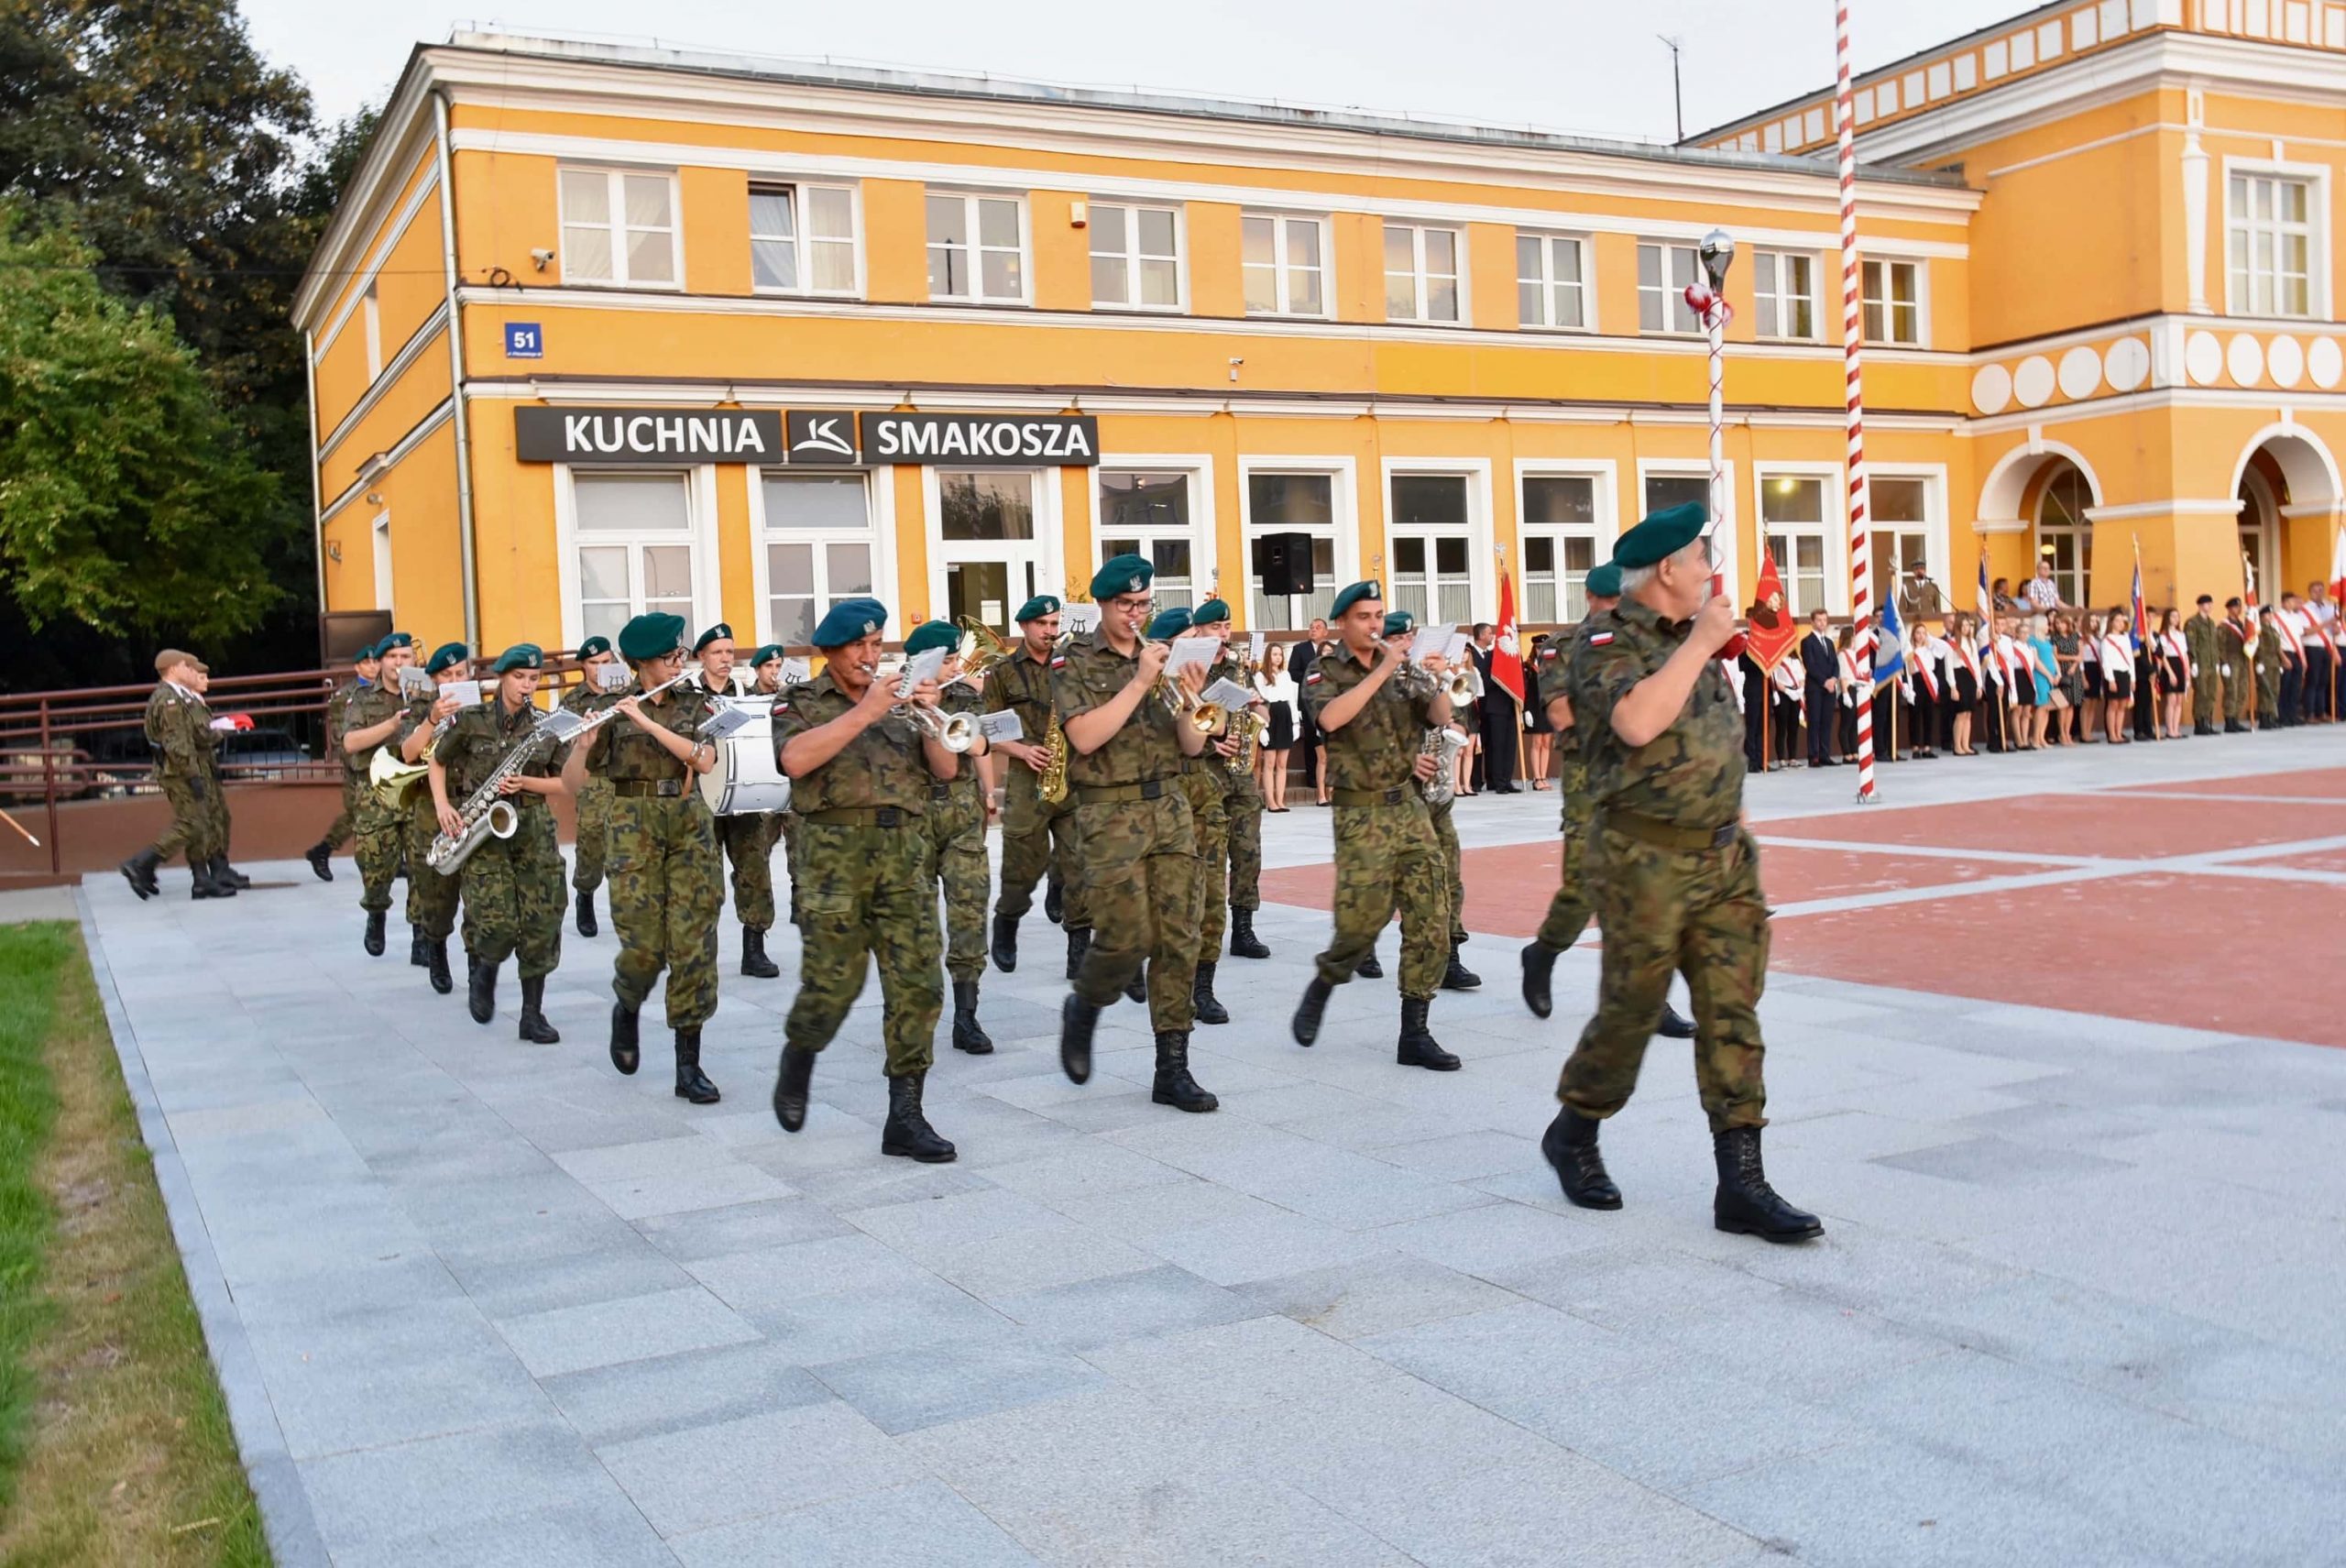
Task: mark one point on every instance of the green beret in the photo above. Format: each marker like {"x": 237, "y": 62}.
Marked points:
{"x": 1036, "y": 608}
{"x": 932, "y": 634}
{"x": 1355, "y": 594}
{"x": 396, "y": 640}
{"x": 711, "y": 635}
{"x": 654, "y": 636}
{"x": 1208, "y": 612}
{"x": 771, "y": 651}
{"x": 1168, "y": 624}
{"x": 1661, "y": 536}
{"x": 1604, "y": 582}
{"x": 364, "y": 655}
{"x": 443, "y": 657}
{"x": 594, "y": 645}
{"x": 520, "y": 656}
{"x": 1121, "y": 574}
{"x": 850, "y": 621}
{"x": 1399, "y": 623}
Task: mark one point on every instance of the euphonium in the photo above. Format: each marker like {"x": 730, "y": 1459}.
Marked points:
{"x": 983, "y": 651}
{"x": 394, "y": 779}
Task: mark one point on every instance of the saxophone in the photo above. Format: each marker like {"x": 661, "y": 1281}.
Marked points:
{"x": 1443, "y": 744}
{"x": 1052, "y": 787}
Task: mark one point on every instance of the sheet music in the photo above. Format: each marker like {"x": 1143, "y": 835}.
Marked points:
{"x": 611, "y": 677}
{"x": 414, "y": 682}
{"x": 1255, "y": 644}
{"x": 561, "y": 725}
{"x": 1431, "y": 640}
{"x": 1079, "y": 618}
{"x": 923, "y": 667}
{"x": 725, "y": 720}
{"x": 1002, "y": 726}
{"x": 1229, "y": 694}
{"x": 1189, "y": 650}
{"x": 796, "y": 671}
{"x": 465, "y": 692}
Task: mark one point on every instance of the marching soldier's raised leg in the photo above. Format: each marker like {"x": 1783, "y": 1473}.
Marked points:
{"x": 173, "y": 719}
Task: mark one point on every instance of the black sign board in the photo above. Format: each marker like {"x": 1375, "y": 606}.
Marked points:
{"x": 822, "y": 436}
{"x": 646, "y": 435}
{"x": 981, "y": 440}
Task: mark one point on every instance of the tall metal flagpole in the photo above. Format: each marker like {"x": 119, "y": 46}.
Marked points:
{"x": 1862, "y": 617}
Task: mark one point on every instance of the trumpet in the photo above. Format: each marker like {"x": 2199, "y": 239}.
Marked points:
{"x": 957, "y": 733}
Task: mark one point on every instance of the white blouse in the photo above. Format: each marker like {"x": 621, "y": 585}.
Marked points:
{"x": 1277, "y": 688}
{"x": 2117, "y": 657}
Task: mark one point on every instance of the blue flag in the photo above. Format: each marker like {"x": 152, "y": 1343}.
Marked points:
{"x": 1888, "y": 645}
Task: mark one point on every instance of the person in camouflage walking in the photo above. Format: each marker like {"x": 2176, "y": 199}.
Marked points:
{"x": 431, "y": 898}
{"x": 861, "y": 774}
{"x": 1037, "y": 836}
{"x": 766, "y": 668}
{"x": 1133, "y": 835}
{"x": 215, "y": 797}
{"x": 956, "y": 824}
{"x": 748, "y": 846}
{"x": 1375, "y": 718}
{"x": 1675, "y": 873}
{"x": 1241, "y": 866}
{"x": 1401, "y": 630}
{"x": 1205, "y": 786}
{"x": 591, "y": 696}
{"x": 176, "y": 719}
{"x": 1568, "y": 911}
{"x": 364, "y": 666}
{"x": 371, "y": 720}
{"x": 513, "y": 895}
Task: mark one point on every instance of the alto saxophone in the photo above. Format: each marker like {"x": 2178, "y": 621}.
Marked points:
{"x": 1052, "y": 787}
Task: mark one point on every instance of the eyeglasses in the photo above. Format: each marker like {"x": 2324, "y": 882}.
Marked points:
{"x": 1131, "y": 605}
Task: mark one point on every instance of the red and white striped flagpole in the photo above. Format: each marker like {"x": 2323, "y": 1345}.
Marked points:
{"x": 1852, "y": 334}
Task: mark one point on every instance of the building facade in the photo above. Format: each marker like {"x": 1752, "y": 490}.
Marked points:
{"x": 602, "y": 329}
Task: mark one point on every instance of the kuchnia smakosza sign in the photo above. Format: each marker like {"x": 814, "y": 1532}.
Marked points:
{"x": 980, "y": 440}
{"x": 640, "y": 435}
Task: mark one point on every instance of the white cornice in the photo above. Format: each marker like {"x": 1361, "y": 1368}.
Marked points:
{"x": 388, "y": 163}
{"x": 399, "y": 449}
{"x": 412, "y": 349}
{"x": 2171, "y": 508}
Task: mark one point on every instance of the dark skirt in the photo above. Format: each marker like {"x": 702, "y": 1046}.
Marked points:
{"x": 1282, "y": 735}
{"x": 1553, "y": 679}
{"x": 2178, "y": 673}
{"x": 1966, "y": 687}
{"x": 2024, "y": 688}
{"x": 2092, "y": 682}
{"x": 2121, "y": 686}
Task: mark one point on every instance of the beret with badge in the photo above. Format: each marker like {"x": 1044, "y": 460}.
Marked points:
{"x": 1036, "y": 608}
{"x": 594, "y": 645}
{"x": 1355, "y": 594}
{"x": 1399, "y": 623}
{"x": 652, "y": 636}
{"x": 1121, "y": 574}
{"x": 446, "y": 656}
{"x": 520, "y": 656}
{"x": 1661, "y": 536}
{"x": 1168, "y": 624}
{"x": 850, "y": 621}
{"x": 1209, "y": 612}
{"x": 718, "y": 632}
{"x": 931, "y": 635}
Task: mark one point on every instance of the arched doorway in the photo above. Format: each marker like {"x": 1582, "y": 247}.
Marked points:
{"x": 2264, "y": 491}
{"x": 2288, "y": 487}
{"x": 2064, "y": 532}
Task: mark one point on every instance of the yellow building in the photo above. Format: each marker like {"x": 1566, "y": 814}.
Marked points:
{"x": 599, "y": 329}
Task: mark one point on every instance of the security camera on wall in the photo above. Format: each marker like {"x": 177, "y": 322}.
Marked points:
{"x": 543, "y": 256}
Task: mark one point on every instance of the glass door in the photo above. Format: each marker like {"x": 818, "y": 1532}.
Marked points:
{"x": 988, "y": 541}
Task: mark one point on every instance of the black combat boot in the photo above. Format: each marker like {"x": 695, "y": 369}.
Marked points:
{"x": 754, "y": 962}
{"x": 966, "y": 1034}
{"x": 1078, "y": 942}
{"x": 1203, "y": 1001}
{"x": 228, "y": 875}
{"x": 419, "y": 949}
{"x": 1243, "y": 943}
{"x": 1053, "y": 901}
{"x": 1306, "y": 1023}
{"x": 139, "y": 872}
{"x": 1674, "y": 1025}
{"x": 1078, "y": 1018}
{"x": 1006, "y": 942}
{"x": 1569, "y": 1143}
{"x": 1173, "y": 1086}
{"x": 373, "y": 941}
{"x": 690, "y": 1082}
{"x": 790, "y": 1086}
{"x": 435, "y": 954}
{"x": 627, "y": 1055}
{"x": 2201, "y": 728}
{"x": 1538, "y": 968}
{"x": 1136, "y": 988}
{"x": 1746, "y": 1204}
{"x": 1456, "y": 976}
{"x": 204, "y": 883}
{"x": 2234, "y": 726}
{"x": 907, "y": 1132}
{"x": 1368, "y": 968}
{"x": 480, "y": 990}
{"x": 534, "y": 1028}
{"x": 586, "y": 926}
{"x": 320, "y": 855}
{"x": 1417, "y": 1046}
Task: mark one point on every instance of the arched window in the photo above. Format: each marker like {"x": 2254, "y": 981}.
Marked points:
{"x": 2062, "y": 534}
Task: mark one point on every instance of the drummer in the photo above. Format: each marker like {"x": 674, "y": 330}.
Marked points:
{"x": 747, "y": 843}
{"x": 768, "y": 665}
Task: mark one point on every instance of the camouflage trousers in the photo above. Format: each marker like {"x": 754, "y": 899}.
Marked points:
{"x": 667, "y": 887}
{"x": 2207, "y": 697}
{"x": 1445, "y": 833}
{"x": 338, "y": 832}
{"x": 192, "y": 820}
{"x": 785, "y": 825}
{"x": 379, "y": 830}
{"x": 1387, "y": 858}
{"x": 2236, "y": 687}
{"x": 957, "y": 836}
{"x": 215, "y": 808}
{"x": 1244, "y": 808}
{"x": 1568, "y": 912}
{"x": 594, "y": 833}
{"x": 1664, "y": 912}
{"x": 748, "y": 845}
{"x": 1201, "y": 786}
{"x": 1036, "y": 840}
{"x": 1140, "y": 878}
{"x": 431, "y": 897}
{"x": 869, "y": 894}
{"x": 513, "y": 896}
{"x": 2268, "y": 697}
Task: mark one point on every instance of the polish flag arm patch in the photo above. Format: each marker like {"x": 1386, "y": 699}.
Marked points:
{"x": 1312, "y": 679}
{"x": 1599, "y": 639}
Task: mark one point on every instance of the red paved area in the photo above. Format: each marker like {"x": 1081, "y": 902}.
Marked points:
{"x": 2329, "y": 782}
{"x": 2138, "y": 826}
{"x": 2323, "y": 861}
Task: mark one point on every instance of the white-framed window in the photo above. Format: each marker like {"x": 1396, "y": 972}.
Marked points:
{"x": 370, "y": 315}
{"x": 634, "y": 542}
{"x": 1892, "y": 295}
{"x": 802, "y": 239}
{"x": 1792, "y": 511}
{"x": 2064, "y": 532}
{"x": 1283, "y": 262}
{"x": 1784, "y": 283}
{"x": 1288, "y": 499}
{"x": 2269, "y": 246}
{"x": 820, "y": 547}
{"x": 1664, "y": 272}
{"x": 1899, "y": 512}
{"x": 1559, "y": 524}
{"x": 1667, "y": 483}
{"x": 1147, "y": 513}
{"x": 1431, "y": 532}
{"x": 618, "y": 226}
{"x": 977, "y": 247}
{"x": 1421, "y": 271}
{"x": 993, "y": 540}
{"x": 1135, "y": 257}
{"x": 382, "y": 533}
{"x": 1552, "y": 282}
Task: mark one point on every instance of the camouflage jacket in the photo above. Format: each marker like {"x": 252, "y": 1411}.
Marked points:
{"x": 1089, "y": 674}
{"x": 340, "y": 700}
{"x": 2199, "y": 637}
{"x": 1381, "y": 745}
{"x": 367, "y": 706}
{"x": 2231, "y": 645}
{"x": 620, "y": 750}
{"x": 1572, "y": 742}
{"x": 886, "y": 765}
{"x": 177, "y": 728}
{"x": 1691, "y": 775}
{"x": 1023, "y": 685}
{"x": 480, "y": 740}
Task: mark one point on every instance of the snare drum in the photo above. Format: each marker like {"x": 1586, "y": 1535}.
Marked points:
{"x": 747, "y": 780}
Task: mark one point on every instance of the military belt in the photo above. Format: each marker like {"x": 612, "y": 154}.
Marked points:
{"x": 1669, "y": 835}
{"x": 859, "y": 816}
{"x": 644, "y": 789}
{"x": 1393, "y": 796}
{"x": 940, "y": 792}
{"x": 1102, "y": 794}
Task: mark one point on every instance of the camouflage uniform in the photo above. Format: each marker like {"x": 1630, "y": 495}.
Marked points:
{"x": 1243, "y": 807}
{"x": 346, "y": 823}
{"x": 1202, "y": 787}
{"x": 1568, "y": 912}
{"x": 1445, "y": 837}
{"x": 176, "y": 723}
{"x": 2268, "y": 679}
{"x": 2199, "y": 637}
{"x": 749, "y": 846}
{"x": 1036, "y": 839}
{"x": 1388, "y": 855}
{"x": 594, "y": 795}
{"x": 2235, "y": 666}
{"x": 667, "y": 875}
{"x": 1133, "y": 839}
{"x": 376, "y": 825}
{"x": 215, "y": 797}
{"x": 869, "y": 890}
{"x": 1675, "y": 878}
{"x": 431, "y": 898}
{"x": 956, "y": 821}
{"x": 513, "y": 896}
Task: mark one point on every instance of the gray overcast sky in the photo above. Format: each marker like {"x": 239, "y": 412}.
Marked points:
{"x": 1577, "y": 65}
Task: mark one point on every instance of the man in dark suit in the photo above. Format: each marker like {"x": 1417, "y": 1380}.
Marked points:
{"x": 1502, "y": 721}
{"x": 1821, "y": 663}
{"x": 1300, "y": 659}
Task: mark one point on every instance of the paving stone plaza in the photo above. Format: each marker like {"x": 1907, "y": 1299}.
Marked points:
{"x": 2078, "y": 1302}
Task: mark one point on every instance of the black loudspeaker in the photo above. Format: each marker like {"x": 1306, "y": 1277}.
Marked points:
{"x": 1283, "y": 562}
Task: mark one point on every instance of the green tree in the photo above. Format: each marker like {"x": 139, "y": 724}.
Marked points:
{"x": 123, "y": 487}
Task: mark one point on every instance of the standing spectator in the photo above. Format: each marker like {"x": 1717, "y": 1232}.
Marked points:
{"x": 2272, "y": 669}
{"x": 2090, "y": 668}
{"x": 1501, "y": 719}
{"x": 1300, "y": 661}
{"x": 1995, "y": 702}
{"x": 2045, "y": 658}
{"x": 1923, "y": 685}
{"x": 2293, "y": 624}
{"x": 2044, "y": 593}
{"x": 1821, "y": 665}
{"x": 1964, "y": 684}
{"x": 2322, "y": 658}
{"x": 2174, "y": 656}
{"x": 2234, "y": 666}
{"x": 1784, "y": 716}
{"x": 1278, "y": 692}
{"x": 2146, "y": 676}
{"x": 2067, "y": 661}
{"x": 2117, "y": 676}
{"x": 1849, "y": 693}
{"x": 1543, "y": 677}
{"x": 2206, "y": 663}
{"x": 1999, "y": 596}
